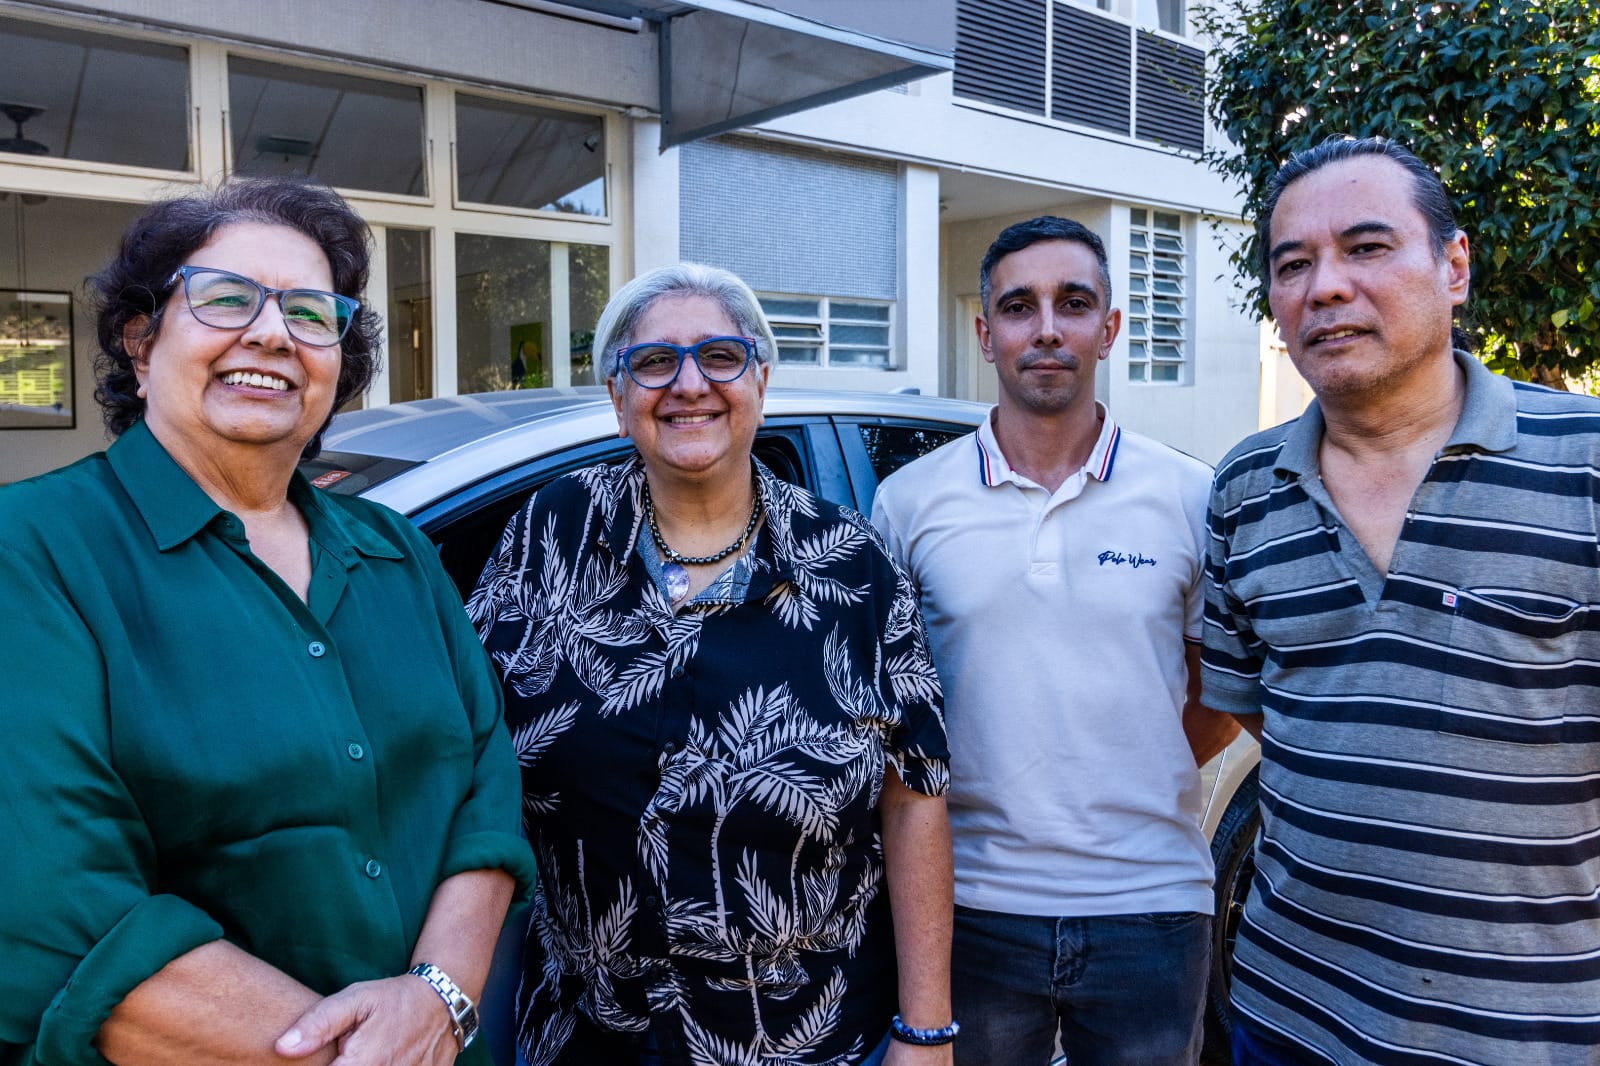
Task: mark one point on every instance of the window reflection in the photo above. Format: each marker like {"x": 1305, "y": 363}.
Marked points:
{"x": 513, "y": 155}
{"x": 354, "y": 133}
{"x": 67, "y": 94}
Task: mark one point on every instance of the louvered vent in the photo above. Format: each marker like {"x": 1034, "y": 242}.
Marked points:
{"x": 1000, "y": 53}
{"x": 1093, "y": 71}
{"x": 1171, "y": 106}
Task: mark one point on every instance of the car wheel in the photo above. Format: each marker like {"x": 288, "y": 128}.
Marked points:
{"x": 1233, "y": 850}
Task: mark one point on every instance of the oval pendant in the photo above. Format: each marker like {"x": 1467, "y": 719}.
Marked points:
{"x": 677, "y": 583}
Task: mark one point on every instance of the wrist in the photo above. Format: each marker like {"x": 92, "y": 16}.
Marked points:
{"x": 923, "y": 1036}
{"x": 459, "y": 1008}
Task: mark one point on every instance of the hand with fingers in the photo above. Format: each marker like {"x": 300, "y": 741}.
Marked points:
{"x": 398, "y": 1020}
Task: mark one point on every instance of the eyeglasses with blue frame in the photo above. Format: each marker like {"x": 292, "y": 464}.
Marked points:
{"x": 225, "y": 300}
{"x": 657, "y": 364}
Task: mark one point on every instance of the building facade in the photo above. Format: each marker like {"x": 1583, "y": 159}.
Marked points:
{"x": 519, "y": 159}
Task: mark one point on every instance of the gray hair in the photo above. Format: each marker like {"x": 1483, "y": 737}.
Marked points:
{"x": 623, "y": 311}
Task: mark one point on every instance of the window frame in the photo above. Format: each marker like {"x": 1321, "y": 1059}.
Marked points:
{"x": 824, "y": 321}
{"x": 1163, "y": 333}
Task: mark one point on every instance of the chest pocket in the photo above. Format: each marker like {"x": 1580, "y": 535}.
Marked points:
{"x": 1514, "y": 660}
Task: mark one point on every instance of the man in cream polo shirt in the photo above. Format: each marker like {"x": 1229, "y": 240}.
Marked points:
{"x": 1059, "y": 560}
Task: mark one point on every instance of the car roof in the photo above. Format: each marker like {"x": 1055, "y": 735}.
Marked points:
{"x": 426, "y": 430}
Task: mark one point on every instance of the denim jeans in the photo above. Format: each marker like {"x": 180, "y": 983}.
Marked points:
{"x": 1255, "y": 1045}
{"x": 1119, "y": 990}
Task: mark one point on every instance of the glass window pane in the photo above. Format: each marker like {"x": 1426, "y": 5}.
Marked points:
{"x": 1168, "y": 221}
{"x": 1138, "y": 261}
{"x": 1168, "y": 288}
{"x": 1136, "y": 327}
{"x": 1167, "y": 353}
{"x": 1170, "y": 308}
{"x": 1138, "y": 284}
{"x": 1169, "y": 244}
{"x": 1136, "y": 239}
{"x": 355, "y": 133}
{"x": 1138, "y": 306}
{"x": 1139, "y": 216}
{"x": 588, "y": 288}
{"x": 799, "y": 354}
{"x": 502, "y": 313}
{"x": 891, "y": 447}
{"x": 783, "y": 307}
{"x": 74, "y": 95}
{"x": 410, "y": 346}
{"x": 1164, "y": 372}
{"x": 838, "y": 310}
{"x": 1163, "y": 265}
{"x": 857, "y": 335}
{"x": 798, "y": 332}
{"x": 35, "y": 359}
{"x": 1168, "y": 331}
{"x": 513, "y": 155}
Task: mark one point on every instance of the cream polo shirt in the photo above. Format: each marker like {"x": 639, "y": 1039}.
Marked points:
{"x": 1057, "y": 623}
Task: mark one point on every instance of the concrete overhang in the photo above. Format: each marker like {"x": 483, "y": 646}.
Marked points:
{"x": 726, "y": 64}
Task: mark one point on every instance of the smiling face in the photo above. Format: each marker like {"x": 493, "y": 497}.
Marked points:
{"x": 1049, "y": 324}
{"x": 1362, "y": 300}
{"x": 211, "y": 392}
{"x": 694, "y": 430}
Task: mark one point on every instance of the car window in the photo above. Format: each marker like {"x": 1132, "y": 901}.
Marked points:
{"x": 874, "y": 449}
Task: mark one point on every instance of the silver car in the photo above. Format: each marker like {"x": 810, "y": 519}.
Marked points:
{"x": 461, "y": 466}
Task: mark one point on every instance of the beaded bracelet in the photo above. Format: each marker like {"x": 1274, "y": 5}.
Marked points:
{"x": 907, "y": 1034}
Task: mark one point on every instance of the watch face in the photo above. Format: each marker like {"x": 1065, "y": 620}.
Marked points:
{"x": 469, "y": 1026}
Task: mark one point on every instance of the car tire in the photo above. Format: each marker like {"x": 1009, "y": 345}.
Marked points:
{"x": 1233, "y": 850}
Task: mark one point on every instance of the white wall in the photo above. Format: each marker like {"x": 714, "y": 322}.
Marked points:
{"x": 67, "y": 240}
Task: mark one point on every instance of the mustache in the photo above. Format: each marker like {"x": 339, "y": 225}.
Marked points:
{"x": 1066, "y": 359}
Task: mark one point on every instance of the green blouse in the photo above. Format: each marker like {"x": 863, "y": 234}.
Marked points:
{"x": 191, "y": 752}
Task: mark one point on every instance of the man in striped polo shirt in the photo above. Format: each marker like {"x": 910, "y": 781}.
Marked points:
{"x": 1400, "y": 608}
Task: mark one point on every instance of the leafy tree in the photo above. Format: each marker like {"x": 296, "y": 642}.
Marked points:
{"x": 1502, "y": 96}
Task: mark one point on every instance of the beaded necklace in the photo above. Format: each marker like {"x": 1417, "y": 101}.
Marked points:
{"x": 696, "y": 560}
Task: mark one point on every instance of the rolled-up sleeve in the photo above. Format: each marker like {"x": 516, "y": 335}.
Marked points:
{"x": 485, "y": 831}
{"x": 79, "y": 921}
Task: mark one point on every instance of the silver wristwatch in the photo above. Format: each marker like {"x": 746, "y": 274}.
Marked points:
{"x": 463, "y": 1012}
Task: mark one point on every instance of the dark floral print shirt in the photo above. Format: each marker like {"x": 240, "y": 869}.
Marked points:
{"x": 701, "y": 785}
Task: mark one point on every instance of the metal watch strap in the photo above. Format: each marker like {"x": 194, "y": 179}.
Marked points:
{"x": 463, "y": 1012}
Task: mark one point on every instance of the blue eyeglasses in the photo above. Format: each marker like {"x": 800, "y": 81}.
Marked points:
{"x": 657, "y": 364}
{"x": 224, "y": 300}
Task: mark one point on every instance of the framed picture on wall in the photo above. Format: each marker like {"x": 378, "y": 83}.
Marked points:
{"x": 36, "y": 360}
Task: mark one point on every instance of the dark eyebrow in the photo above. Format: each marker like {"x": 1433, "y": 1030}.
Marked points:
{"x": 1065, "y": 288}
{"x": 1360, "y": 229}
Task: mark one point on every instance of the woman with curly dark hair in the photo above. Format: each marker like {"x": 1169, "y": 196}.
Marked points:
{"x": 261, "y": 804}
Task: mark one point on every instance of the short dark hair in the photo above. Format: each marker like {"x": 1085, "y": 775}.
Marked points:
{"x": 1019, "y": 235}
{"x": 1427, "y": 191}
{"x": 136, "y": 282}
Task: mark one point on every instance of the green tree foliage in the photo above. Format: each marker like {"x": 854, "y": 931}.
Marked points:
{"x": 1502, "y": 96}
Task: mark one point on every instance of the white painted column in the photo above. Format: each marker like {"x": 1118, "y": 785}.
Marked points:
{"x": 917, "y": 312}
{"x": 654, "y": 203}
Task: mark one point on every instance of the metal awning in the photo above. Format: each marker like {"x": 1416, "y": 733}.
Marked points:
{"x": 732, "y": 63}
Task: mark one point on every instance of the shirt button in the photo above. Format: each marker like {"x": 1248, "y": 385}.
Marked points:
{"x": 677, "y": 671}
{"x": 374, "y": 868}
{"x": 651, "y": 903}
{"x": 668, "y": 748}
{"x": 356, "y": 750}
{"x": 316, "y": 649}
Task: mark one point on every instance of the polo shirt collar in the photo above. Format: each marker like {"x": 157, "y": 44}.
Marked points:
{"x": 993, "y": 469}
{"x": 175, "y": 509}
{"x": 1488, "y": 421}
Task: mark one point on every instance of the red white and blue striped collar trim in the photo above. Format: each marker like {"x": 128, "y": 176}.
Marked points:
{"x": 994, "y": 470}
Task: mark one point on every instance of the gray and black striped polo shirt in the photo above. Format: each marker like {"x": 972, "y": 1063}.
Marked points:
{"x": 1428, "y": 879}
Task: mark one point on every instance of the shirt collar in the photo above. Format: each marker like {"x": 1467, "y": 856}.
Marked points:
{"x": 175, "y": 509}
{"x": 1488, "y": 421}
{"x": 993, "y": 469}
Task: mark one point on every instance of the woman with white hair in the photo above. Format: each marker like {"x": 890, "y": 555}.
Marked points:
{"x": 732, "y": 749}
